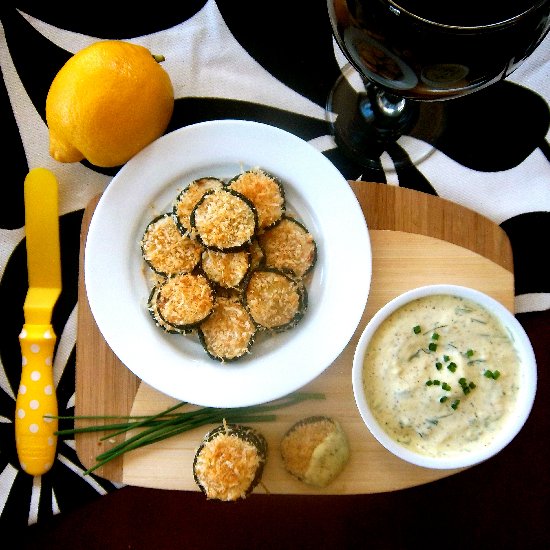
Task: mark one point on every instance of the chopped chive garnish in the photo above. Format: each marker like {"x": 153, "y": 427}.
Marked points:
{"x": 443, "y": 399}
{"x": 432, "y": 346}
{"x": 466, "y": 387}
{"x": 436, "y": 382}
{"x": 446, "y": 386}
{"x": 452, "y": 367}
{"x": 496, "y": 374}
{"x": 435, "y": 336}
{"x": 417, "y": 329}
{"x": 491, "y": 374}
{"x": 429, "y": 383}
{"x": 455, "y": 404}
{"x": 469, "y": 353}
{"x": 438, "y": 366}
{"x": 446, "y": 358}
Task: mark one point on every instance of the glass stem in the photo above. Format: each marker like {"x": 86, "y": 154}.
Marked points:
{"x": 390, "y": 116}
{"x": 390, "y": 105}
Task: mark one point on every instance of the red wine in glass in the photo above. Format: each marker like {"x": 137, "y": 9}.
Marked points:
{"x": 411, "y": 54}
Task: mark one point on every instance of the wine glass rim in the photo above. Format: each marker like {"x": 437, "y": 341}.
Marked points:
{"x": 536, "y": 5}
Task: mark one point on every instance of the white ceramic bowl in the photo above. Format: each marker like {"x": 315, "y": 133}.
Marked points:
{"x": 514, "y": 421}
{"x": 315, "y": 192}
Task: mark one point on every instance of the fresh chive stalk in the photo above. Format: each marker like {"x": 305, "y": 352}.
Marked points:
{"x": 167, "y": 423}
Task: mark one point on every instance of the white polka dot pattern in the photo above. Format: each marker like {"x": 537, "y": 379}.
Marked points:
{"x": 34, "y": 434}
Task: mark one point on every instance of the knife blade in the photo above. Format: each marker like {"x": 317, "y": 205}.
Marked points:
{"x": 35, "y": 437}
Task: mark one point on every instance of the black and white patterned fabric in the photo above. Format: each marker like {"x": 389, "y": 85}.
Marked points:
{"x": 228, "y": 61}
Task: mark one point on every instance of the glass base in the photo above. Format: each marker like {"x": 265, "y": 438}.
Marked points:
{"x": 378, "y": 131}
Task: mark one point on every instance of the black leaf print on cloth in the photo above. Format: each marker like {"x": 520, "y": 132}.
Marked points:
{"x": 191, "y": 110}
{"x": 114, "y": 22}
{"x": 502, "y": 125}
{"x": 12, "y": 214}
{"x": 63, "y": 489}
{"x": 529, "y": 236}
{"x": 295, "y": 47}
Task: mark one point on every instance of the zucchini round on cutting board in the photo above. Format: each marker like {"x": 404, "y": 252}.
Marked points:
{"x": 274, "y": 300}
{"x": 315, "y": 450}
{"x": 229, "y": 462}
{"x": 289, "y": 246}
{"x": 224, "y": 220}
{"x": 266, "y": 193}
{"x": 184, "y": 300}
{"x": 165, "y": 250}
{"x": 188, "y": 198}
{"x": 228, "y": 334}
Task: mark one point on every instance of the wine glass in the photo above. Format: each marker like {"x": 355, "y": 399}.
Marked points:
{"x": 406, "y": 56}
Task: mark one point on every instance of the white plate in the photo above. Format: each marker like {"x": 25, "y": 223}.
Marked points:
{"x": 118, "y": 287}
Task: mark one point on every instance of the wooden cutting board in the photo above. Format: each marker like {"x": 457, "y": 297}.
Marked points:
{"x": 416, "y": 239}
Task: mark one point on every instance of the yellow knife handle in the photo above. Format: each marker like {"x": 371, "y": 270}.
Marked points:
{"x": 34, "y": 434}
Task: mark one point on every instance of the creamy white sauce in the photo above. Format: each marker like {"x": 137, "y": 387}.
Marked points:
{"x": 398, "y": 364}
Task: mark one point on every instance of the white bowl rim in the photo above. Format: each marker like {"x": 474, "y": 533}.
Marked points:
{"x": 524, "y": 402}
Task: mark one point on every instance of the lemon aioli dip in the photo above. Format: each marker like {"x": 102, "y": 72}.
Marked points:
{"x": 441, "y": 375}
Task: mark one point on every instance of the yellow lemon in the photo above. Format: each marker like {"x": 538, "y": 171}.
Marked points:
{"x": 107, "y": 103}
